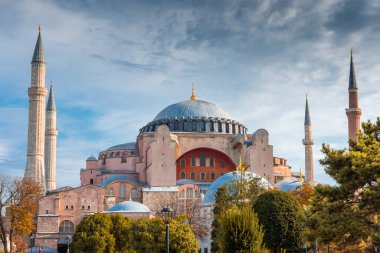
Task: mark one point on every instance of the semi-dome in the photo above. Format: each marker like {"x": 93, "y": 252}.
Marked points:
{"x": 226, "y": 179}
{"x": 129, "y": 207}
{"x": 288, "y": 184}
{"x": 128, "y": 145}
{"x": 193, "y": 108}
{"x": 195, "y": 116}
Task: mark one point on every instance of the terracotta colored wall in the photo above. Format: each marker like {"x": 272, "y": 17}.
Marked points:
{"x": 217, "y": 168}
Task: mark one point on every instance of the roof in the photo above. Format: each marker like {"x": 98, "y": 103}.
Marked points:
{"x": 185, "y": 181}
{"x": 226, "y": 179}
{"x": 91, "y": 158}
{"x": 307, "y": 114}
{"x": 117, "y": 178}
{"x": 51, "y": 100}
{"x": 160, "y": 189}
{"x": 352, "y": 82}
{"x": 128, "y": 145}
{"x": 192, "y": 108}
{"x": 39, "y": 55}
{"x": 129, "y": 207}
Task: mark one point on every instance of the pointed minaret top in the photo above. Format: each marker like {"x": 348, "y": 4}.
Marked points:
{"x": 39, "y": 55}
{"x": 193, "y": 97}
{"x": 352, "y": 83}
{"x": 307, "y": 114}
{"x": 51, "y": 100}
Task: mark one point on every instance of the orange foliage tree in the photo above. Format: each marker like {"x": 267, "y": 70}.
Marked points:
{"x": 18, "y": 209}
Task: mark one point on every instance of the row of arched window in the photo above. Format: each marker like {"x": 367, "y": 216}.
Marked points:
{"x": 202, "y": 175}
{"x": 122, "y": 191}
{"x": 66, "y": 226}
{"x": 202, "y": 161}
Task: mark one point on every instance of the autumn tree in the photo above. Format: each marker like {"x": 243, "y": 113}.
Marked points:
{"x": 241, "y": 232}
{"x": 355, "y": 199}
{"x": 283, "y": 221}
{"x": 18, "y": 209}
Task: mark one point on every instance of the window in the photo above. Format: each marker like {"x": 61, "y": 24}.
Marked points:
{"x": 192, "y": 175}
{"x": 72, "y": 207}
{"x": 203, "y": 176}
{"x": 222, "y": 164}
{"x": 123, "y": 159}
{"x": 192, "y": 160}
{"x": 189, "y": 193}
{"x": 82, "y": 207}
{"x": 220, "y": 127}
{"x": 211, "y": 126}
{"x": 212, "y": 161}
{"x": 66, "y": 226}
{"x": 183, "y": 175}
{"x": 212, "y": 176}
{"x": 183, "y": 163}
{"x": 103, "y": 161}
{"x": 91, "y": 180}
{"x": 203, "y": 159}
{"x": 134, "y": 194}
{"x": 122, "y": 190}
{"x": 233, "y": 129}
{"x": 194, "y": 127}
{"x": 88, "y": 207}
{"x": 110, "y": 192}
{"x": 227, "y": 128}
{"x": 47, "y": 211}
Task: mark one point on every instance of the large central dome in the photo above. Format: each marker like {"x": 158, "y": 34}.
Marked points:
{"x": 193, "y": 108}
{"x": 195, "y": 116}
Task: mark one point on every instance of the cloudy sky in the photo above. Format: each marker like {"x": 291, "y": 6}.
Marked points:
{"x": 116, "y": 64}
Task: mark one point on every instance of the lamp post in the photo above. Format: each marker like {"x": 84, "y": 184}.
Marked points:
{"x": 68, "y": 241}
{"x": 167, "y": 211}
{"x": 32, "y": 241}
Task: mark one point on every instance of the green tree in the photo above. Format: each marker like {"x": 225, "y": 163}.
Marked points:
{"x": 283, "y": 220}
{"x": 241, "y": 232}
{"x": 148, "y": 235}
{"x": 240, "y": 192}
{"x": 355, "y": 199}
{"x": 93, "y": 235}
{"x": 120, "y": 230}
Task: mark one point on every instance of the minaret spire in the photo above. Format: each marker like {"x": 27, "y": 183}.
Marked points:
{"x": 36, "y": 125}
{"x": 353, "y": 112}
{"x": 308, "y": 142}
{"x": 51, "y": 133}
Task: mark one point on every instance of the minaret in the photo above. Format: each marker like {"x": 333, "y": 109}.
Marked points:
{"x": 353, "y": 112}
{"x": 51, "y": 133}
{"x": 36, "y": 125}
{"x": 308, "y": 142}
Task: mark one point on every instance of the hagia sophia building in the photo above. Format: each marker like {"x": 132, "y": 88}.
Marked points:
{"x": 182, "y": 151}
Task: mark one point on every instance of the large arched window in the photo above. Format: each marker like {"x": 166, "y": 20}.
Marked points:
{"x": 183, "y": 175}
{"x": 202, "y": 159}
{"x": 91, "y": 180}
{"x": 66, "y": 226}
{"x": 122, "y": 190}
{"x": 110, "y": 192}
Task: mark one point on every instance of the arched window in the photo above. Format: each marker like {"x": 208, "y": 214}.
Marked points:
{"x": 202, "y": 159}
{"x": 110, "y": 192}
{"x": 189, "y": 193}
{"x": 91, "y": 181}
{"x": 134, "y": 194}
{"x": 212, "y": 161}
{"x": 122, "y": 190}
{"x": 212, "y": 176}
{"x": 192, "y": 160}
{"x": 203, "y": 176}
{"x": 123, "y": 159}
{"x": 183, "y": 163}
{"x": 66, "y": 226}
{"x": 192, "y": 175}
{"x": 183, "y": 175}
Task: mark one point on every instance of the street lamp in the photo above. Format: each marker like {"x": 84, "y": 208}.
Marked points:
{"x": 68, "y": 241}
{"x": 167, "y": 212}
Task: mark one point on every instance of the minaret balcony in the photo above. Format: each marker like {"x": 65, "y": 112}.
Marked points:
{"x": 308, "y": 141}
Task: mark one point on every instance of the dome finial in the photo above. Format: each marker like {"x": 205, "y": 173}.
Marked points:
{"x": 241, "y": 166}
{"x": 301, "y": 177}
{"x": 193, "y": 97}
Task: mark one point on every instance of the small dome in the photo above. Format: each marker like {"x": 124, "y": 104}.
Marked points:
{"x": 129, "y": 207}
{"x": 192, "y": 108}
{"x": 129, "y": 145}
{"x": 226, "y": 179}
{"x": 288, "y": 185}
{"x": 92, "y": 158}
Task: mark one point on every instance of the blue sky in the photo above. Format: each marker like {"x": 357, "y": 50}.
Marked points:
{"x": 116, "y": 64}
